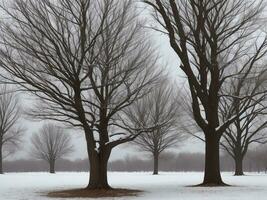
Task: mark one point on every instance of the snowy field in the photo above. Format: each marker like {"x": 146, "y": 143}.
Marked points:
{"x": 34, "y": 186}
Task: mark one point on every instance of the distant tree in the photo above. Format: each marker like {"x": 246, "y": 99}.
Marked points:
{"x": 51, "y": 144}
{"x": 158, "y": 107}
{"x": 210, "y": 38}
{"x": 10, "y": 131}
{"x": 85, "y": 61}
{"x": 250, "y": 127}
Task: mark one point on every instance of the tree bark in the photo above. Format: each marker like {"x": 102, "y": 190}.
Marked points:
{"x": 98, "y": 170}
{"x": 52, "y": 166}
{"x": 212, "y": 176}
{"x": 156, "y": 163}
{"x": 239, "y": 166}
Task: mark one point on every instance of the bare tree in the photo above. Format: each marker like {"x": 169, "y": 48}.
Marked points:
{"x": 249, "y": 127}
{"x": 85, "y": 61}
{"x": 10, "y": 130}
{"x": 51, "y": 144}
{"x": 210, "y": 38}
{"x": 158, "y": 107}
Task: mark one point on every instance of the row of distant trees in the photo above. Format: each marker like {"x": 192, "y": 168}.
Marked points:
{"x": 92, "y": 65}
{"x": 254, "y": 162}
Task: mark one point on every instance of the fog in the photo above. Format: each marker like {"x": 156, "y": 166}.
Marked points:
{"x": 168, "y": 162}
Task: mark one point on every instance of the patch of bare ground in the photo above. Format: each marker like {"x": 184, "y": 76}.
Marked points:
{"x": 96, "y": 193}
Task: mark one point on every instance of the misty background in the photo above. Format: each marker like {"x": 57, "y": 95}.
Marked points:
{"x": 188, "y": 156}
{"x": 170, "y": 161}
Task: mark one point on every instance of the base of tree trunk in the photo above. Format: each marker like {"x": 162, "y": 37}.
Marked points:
{"x": 94, "y": 193}
{"x": 212, "y": 174}
{"x": 155, "y": 173}
{"x": 239, "y": 165}
{"x": 98, "y": 187}
{"x": 221, "y": 184}
{"x": 239, "y": 174}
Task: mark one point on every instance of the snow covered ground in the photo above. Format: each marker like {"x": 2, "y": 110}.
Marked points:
{"x": 34, "y": 186}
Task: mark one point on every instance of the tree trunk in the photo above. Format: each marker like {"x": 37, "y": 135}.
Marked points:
{"x": 98, "y": 170}
{"x": 98, "y": 161}
{"x": 239, "y": 166}
{"x": 1, "y": 160}
{"x": 212, "y": 176}
{"x": 52, "y": 166}
{"x": 156, "y": 164}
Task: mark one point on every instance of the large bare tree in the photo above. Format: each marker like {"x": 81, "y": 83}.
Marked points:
{"x": 51, "y": 144}
{"x": 11, "y": 131}
{"x": 85, "y": 61}
{"x": 159, "y": 107}
{"x": 210, "y": 38}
